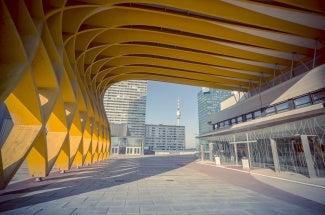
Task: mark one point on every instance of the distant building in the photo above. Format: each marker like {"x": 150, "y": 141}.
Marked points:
{"x": 122, "y": 142}
{"x": 125, "y": 103}
{"x": 165, "y": 137}
{"x": 209, "y": 103}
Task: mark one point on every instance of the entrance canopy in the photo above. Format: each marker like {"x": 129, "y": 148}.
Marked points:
{"x": 227, "y": 44}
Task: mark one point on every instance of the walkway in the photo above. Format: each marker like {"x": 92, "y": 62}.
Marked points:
{"x": 152, "y": 185}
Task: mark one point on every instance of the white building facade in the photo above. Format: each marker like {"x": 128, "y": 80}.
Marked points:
{"x": 165, "y": 137}
{"x": 125, "y": 103}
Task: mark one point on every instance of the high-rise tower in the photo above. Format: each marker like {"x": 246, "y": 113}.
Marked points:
{"x": 125, "y": 103}
{"x": 209, "y": 103}
{"x": 178, "y": 112}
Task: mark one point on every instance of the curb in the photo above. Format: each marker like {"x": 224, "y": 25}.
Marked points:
{"x": 263, "y": 175}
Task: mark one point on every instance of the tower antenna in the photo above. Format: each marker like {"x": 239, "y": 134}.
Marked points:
{"x": 178, "y": 112}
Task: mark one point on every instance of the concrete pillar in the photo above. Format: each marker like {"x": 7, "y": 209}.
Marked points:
{"x": 236, "y": 155}
{"x": 248, "y": 150}
{"x": 210, "y": 151}
{"x": 308, "y": 156}
{"x": 275, "y": 156}
{"x": 202, "y": 151}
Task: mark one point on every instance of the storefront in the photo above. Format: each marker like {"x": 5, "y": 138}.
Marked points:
{"x": 292, "y": 147}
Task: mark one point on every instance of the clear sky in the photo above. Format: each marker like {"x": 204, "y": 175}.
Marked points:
{"x": 162, "y": 107}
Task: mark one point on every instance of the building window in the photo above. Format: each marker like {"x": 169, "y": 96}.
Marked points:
{"x": 302, "y": 101}
{"x": 282, "y": 107}
{"x": 233, "y": 121}
{"x": 239, "y": 119}
{"x": 319, "y": 97}
{"x": 257, "y": 114}
{"x": 249, "y": 116}
{"x": 269, "y": 111}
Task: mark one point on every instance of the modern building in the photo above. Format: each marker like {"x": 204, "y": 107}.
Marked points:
{"x": 125, "y": 107}
{"x": 165, "y": 137}
{"x": 123, "y": 143}
{"x": 125, "y": 103}
{"x": 209, "y": 100}
{"x": 279, "y": 125}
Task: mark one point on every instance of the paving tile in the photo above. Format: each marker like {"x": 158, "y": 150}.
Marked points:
{"x": 159, "y": 186}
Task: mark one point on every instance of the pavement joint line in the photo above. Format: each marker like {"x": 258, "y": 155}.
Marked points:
{"x": 267, "y": 176}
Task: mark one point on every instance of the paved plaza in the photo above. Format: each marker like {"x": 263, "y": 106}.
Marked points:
{"x": 157, "y": 185}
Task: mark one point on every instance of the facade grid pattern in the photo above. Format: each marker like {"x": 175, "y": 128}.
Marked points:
{"x": 125, "y": 102}
{"x": 165, "y": 137}
{"x": 208, "y": 103}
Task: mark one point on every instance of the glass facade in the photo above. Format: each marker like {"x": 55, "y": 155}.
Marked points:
{"x": 208, "y": 103}
{"x": 125, "y": 102}
{"x": 291, "y": 155}
{"x": 299, "y": 147}
{"x": 294, "y": 103}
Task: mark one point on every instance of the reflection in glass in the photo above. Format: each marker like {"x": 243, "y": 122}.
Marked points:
{"x": 261, "y": 154}
{"x": 257, "y": 114}
{"x": 319, "y": 97}
{"x": 317, "y": 150}
{"x": 291, "y": 155}
{"x": 269, "y": 111}
{"x": 302, "y": 101}
{"x": 282, "y": 107}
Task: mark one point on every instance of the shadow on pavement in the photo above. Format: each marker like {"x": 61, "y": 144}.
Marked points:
{"x": 109, "y": 173}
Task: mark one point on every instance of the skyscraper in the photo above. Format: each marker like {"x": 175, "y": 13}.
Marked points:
{"x": 125, "y": 102}
{"x": 208, "y": 103}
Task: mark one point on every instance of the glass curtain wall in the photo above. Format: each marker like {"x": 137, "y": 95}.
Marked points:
{"x": 261, "y": 154}
{"x": 226, "y": 152}
{"x": 317, "y": 150}
{"x": 291, "y": 155}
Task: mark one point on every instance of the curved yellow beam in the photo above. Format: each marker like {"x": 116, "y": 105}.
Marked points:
{"x": 225, "y": 10}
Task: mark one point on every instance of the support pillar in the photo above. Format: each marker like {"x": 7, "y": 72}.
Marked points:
{"x": 275, "y": 156}
{"x": 202, "y": 151}
{"x": 246, "y": 162}
{"x": 308, "y": 156}
{"x": 235, "y": 148}
{"x": 236, "y": 155}
{"x": 248, "y": 150}
{"x": 210, "y": 151}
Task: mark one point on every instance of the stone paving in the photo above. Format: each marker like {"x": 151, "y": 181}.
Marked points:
{"x": 152, "y": 185}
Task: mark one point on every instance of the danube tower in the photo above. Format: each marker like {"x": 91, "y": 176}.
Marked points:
{"x": 178, "y": 112}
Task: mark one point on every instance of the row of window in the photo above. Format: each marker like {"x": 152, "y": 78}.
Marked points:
{"x": 294, "y": 103}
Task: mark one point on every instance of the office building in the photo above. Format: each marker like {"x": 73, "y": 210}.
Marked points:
{"x": 165, "y": 137}
{"x": 208, "y": 103}
{"x": 125, "y": 103}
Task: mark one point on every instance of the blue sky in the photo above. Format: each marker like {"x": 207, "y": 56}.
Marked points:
{"x": 162, "y": 107}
